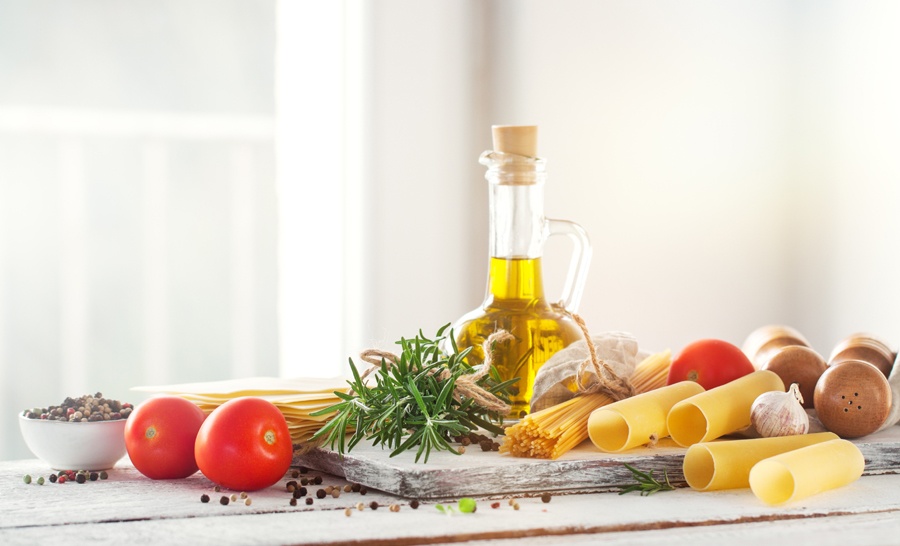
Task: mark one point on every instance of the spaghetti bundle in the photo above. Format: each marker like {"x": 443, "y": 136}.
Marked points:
{"x": 551, "y": 432}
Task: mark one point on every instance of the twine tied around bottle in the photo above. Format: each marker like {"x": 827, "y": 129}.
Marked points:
{"x": 466, "y": 384}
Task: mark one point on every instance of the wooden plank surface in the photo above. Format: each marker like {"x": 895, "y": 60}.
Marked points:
{"x": 477, "y": 473}
{"x": 129, "y": 509}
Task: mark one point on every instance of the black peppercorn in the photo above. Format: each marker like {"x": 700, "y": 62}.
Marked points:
{"x": 52, "y": 478}
{"x": 309, "y": 500}
{"x": 355, "y": 488}
{"x": 80, "y": 478}
{"x": 93, "y": 476}
{"x": 204, "y": 498}
{"x": 318, "y": 480}
{"x": 363, "y": 490}
{"x": 296, "y": 494}
{"x": 293, "y": 501}
{"x": 321, "y": 493}
{"x": 414, "y": 504}
{"x": 373, "y": 505}
{"x": 545, "y": 497}
{"x": 224, "y": 500}
{"x": 302, "y": 491}
{"x": 295, "y": 473}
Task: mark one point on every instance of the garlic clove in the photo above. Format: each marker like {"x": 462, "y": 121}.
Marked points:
{"x": 779, "y": 413}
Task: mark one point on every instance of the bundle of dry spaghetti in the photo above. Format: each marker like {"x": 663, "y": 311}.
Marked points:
{"x": 551, "y": 432}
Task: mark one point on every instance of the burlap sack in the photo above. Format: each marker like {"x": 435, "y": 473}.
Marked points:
{"x": 556, "y": 379}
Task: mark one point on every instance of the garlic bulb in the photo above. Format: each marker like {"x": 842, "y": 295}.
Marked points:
{"x": 780, "y": 413}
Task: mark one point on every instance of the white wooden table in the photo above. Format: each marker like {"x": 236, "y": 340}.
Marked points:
{"x": 130, "y": 509}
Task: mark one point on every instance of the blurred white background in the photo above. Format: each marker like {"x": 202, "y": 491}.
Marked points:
{"x": 197, "y": 190}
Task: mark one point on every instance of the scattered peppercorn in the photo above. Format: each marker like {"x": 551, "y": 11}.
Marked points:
{"x": 545, "y": 498}
{"x": 348, "y": 512}
{"x": 224, "y": 500}
{"x": 373, "y": 505}
{"x": 335, "y": 492}
{"x": 53, "y": 478}
{"x": 317, "y": 480}
{"x": 93, "y": 476}
{"x": 248, "y": 501}
{"x": 27, "y": 478}
{"x": 204, "y": 498}
{"x": 80, "y": 478}
{"x": 233, "y": 497}
{"x": 495, "y": 505}
{"x": 485, "y": 445}
{"x": 363, "y": 490}
{"x": 302, "y": 491}
{"x": 40, "y": 480}
{"x": 304, "y": 481}
{"x": 394, "y": 508}
{"x": 293, "y": 501}
{"x": 295, "y": 473}
{"x": 244, "y": 495}
{"x": 414, "y": 504}
{"x": 62, "y": 479}
{"x": 290, "y": 488}
{"x": 329, "y": 489}
{"x": 296, "y": 494}
{"x": 360, "y": 506}
{"x": 309, "y": 500}
{"x": 103, "y": 475}
{"x": 495, "y": 446}
{"x": 347, "y": 488}
{"x": 461, "y": 450}
{"x": 321, "y": 493}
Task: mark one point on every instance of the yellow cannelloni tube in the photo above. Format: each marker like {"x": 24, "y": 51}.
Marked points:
{"x": 632, "y": 422}
{"x": 726, "y": 464}
{"x": 719, "y": 411}
{"x": 806, "y": 471}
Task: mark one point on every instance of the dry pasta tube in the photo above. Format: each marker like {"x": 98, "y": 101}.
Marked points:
{"x": 719, "y": 411}
{"x": 638, "y": 420}
{"x": 806, "y": 471}
{"x": 711, "y": 466}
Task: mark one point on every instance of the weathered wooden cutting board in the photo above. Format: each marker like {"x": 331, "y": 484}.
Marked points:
{"x": 478, "y": 473}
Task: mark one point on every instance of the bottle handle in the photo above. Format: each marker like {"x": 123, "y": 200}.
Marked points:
{"x": 578, "y": 265}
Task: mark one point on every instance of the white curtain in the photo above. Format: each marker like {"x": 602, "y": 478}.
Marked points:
{"x": 137, "y": 198}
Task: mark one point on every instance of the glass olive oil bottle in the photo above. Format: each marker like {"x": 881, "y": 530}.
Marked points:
{"x": 515, "y": 299}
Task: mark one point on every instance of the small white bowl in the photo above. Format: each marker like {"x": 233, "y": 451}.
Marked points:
{"x": 94, "y": 445}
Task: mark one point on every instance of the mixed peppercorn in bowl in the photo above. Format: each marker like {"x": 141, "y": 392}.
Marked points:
{"x": 81, "y": 433}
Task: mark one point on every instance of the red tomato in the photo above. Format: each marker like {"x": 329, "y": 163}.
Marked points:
{"x": 244, "y": 445}
{"x": 710, "y": 362}
{"x": 159, "y": 437}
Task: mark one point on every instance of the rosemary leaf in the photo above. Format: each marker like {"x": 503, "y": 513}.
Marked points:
{"x": 411, "y": 404}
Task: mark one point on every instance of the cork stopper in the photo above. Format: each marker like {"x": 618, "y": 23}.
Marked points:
{"x": 515, "y": 139}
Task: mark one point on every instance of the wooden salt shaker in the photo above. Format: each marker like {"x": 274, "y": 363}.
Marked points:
{"x": 865, "y": 347}
{"x": 764, "y": 342}
{"x": 852, "y": 398}
{"x": 798, "y": 364}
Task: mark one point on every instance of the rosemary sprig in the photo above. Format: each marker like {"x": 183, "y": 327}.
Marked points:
{"x": 646, "y": 483}
{"x": 411, "y": 405}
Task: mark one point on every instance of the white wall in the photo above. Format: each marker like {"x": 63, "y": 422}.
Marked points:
{"x": 735, "y": 163}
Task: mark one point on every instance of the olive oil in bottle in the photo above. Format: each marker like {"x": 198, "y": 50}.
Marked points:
{"x": 515, "y": 300}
